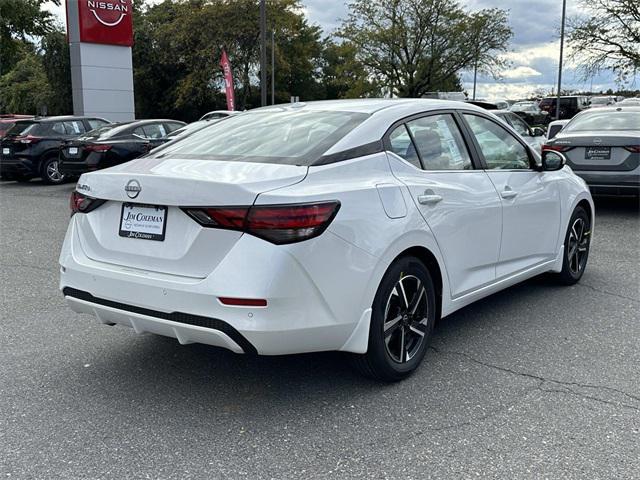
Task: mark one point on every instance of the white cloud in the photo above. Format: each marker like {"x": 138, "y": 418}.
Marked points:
{"x": 521, "y": 72}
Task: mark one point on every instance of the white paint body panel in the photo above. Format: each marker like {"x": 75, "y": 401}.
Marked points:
{"x": 319, "y": 291}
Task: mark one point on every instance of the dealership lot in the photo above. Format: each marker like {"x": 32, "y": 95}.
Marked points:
{"x": 536, "y": 381}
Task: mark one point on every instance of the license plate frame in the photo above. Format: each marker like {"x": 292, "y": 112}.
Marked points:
{"x": 597, "y": 153}
{"x": 140, "y": 229}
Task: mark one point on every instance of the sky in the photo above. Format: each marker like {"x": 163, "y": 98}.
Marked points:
{"x": 533, "y": 52}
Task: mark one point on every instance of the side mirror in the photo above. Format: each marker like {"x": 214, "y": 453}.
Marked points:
{"x": 553, "y": 161}
{"x": 538, "y": 132}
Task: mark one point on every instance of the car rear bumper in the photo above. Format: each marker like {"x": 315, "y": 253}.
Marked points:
{"x": 612, "y": 183}
{"x": 17, "y": 166}
{"x": 301, "y": 315}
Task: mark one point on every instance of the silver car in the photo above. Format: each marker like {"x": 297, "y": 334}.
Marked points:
{"x": 603, "y": 147}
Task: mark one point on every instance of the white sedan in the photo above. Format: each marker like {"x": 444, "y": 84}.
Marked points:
{"x": 342, "y": 225}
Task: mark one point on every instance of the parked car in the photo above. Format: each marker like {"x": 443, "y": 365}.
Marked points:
{"x": 569, "y": 106}
{"x": 8, "y": 120}
{"x": 602, "y": 101}
{"x": 217, "y": 114}
{"x": 535, "y": 136}
{"x": 30, "y": 148}
{"x": 630, "y": 101}
{"x": 554, "y": 127}
{"x": 344, "y": 225}
{"x": 114, "y": 144}
{"x": 530, "y": 112}
{"x": 603, "y": 147}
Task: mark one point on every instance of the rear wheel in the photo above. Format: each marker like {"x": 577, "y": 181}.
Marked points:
{"x": 576, "y": 247}
{"x": 50, "y": 171}
{"x": 402, "y": 319}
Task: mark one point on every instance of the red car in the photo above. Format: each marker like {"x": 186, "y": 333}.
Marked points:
{"x": 8, "y": 120}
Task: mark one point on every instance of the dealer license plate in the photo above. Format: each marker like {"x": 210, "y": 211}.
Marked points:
{"x": 146, "y": 222}
{"x": 597, "y": 153}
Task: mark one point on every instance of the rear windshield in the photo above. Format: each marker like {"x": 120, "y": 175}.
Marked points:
{"x": 23, "y": 128}
{"x": 270, "y": 136}
{"x": 104, "y": 132}
{"x": 594, "y": 120}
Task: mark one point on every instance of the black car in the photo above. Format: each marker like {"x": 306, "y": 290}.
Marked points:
{"x": 570, "y": 105}
{"x": 530, "y": 113}
{"x": 30, "y": 148}
{"x": 114, "y": 144}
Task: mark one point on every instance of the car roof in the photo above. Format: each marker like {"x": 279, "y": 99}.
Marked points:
{"x": 62, "y": 118}
{"x": 382, "y": 113}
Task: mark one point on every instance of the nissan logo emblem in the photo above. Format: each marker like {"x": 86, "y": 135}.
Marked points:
{"x": 597, "y": 140}
{"x": 133, "y": 189}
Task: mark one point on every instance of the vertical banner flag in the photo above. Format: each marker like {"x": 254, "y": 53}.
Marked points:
{"x": 228, "y": 81}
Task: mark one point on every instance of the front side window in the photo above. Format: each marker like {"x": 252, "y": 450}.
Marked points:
{"x": 500, "y": 149}
{"x": 96, "y": 123}
{"x": 269, "y": 136}
{"x": 74, "y": 127}
{"x": 155, "y": 130}
{"x": 439, "y": 143}
{"x": 519, "y": 125}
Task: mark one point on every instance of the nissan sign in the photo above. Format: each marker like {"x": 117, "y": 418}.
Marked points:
{"x": 106, "y": 21}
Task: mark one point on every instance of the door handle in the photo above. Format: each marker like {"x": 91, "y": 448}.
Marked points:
{"x": 429, "y": 198}
{"x": 508, "y": 192}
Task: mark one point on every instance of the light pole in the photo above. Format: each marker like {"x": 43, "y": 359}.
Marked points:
{"x": 273, "y": 67}
{"x": 263, "y": 52}
{"x": 564, "y": 14}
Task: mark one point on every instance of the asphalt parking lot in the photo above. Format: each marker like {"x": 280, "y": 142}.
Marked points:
{"x": 539, "y": 381}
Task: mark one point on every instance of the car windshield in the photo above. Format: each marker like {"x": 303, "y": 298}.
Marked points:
{"x": 597, "y": 121}
{"x": 268, "y": 136}
{"x": 600, "y": 101}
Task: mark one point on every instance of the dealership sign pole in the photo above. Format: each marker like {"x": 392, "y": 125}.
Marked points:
{"x": 228, "y": 81}
{"x": 100, "y": 36}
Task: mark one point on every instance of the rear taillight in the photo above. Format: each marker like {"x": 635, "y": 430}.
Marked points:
{"x": 80, "y": 203}
{"x": 555, "y": 148}
{"x": 279, "y": 224}
{"x": 97, "y": 148}
{"x": 29, "y": 139}
{"x": 633, "y": 148}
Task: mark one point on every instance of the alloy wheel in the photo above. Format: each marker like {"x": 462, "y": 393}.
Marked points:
{"x": 578, "y": 246}
{"x": 53, "y": 173}
{"x": 405, "y": 319}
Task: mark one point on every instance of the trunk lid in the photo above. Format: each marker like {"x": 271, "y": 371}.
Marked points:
{"x": 187, "y": 249}
{"x": 601, "y": 152}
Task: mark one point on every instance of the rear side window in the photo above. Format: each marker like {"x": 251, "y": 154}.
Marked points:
{"x": 75, "y": 127}
{"x": 96, "y": 123}
{"x": 439, "y": 143}
{"x": 172, "y": 126}
{"x": 402, "y": 146}
{"x": 58, "y": 128}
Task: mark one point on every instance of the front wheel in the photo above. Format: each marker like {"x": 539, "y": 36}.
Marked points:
{"x": 51, "y": 172}
{"x": 576, "y": 247}
{"x": 402, "y": 318}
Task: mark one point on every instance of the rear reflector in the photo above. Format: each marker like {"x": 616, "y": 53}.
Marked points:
{"x": 555, "y": 148}
{"x": 243, "y": 302}
{"x": 279, "y": 224}
{"x": 80, "y": 203}
{"x": 97, "y": 148}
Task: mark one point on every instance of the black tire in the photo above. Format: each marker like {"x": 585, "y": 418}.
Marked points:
{"x": 399, "y": 357}
{"x": 576, "y": 250}
{"x": 50, "y": 173}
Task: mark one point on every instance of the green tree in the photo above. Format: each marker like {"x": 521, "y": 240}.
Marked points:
{"x": 57, "y": 66}
{"x": 343, "y": 76}
{"x": 607, "y": 36}
{"x": 25, "y": 89}
{"x": 19, "y": 20}
{"x": 410, "y": 47}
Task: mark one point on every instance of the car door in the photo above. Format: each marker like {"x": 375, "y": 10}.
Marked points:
{"x": 530, "y": 198}
{"x": 458, "y": 202}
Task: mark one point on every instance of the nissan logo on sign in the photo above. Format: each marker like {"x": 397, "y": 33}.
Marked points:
{"x": 106, "y": 21}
